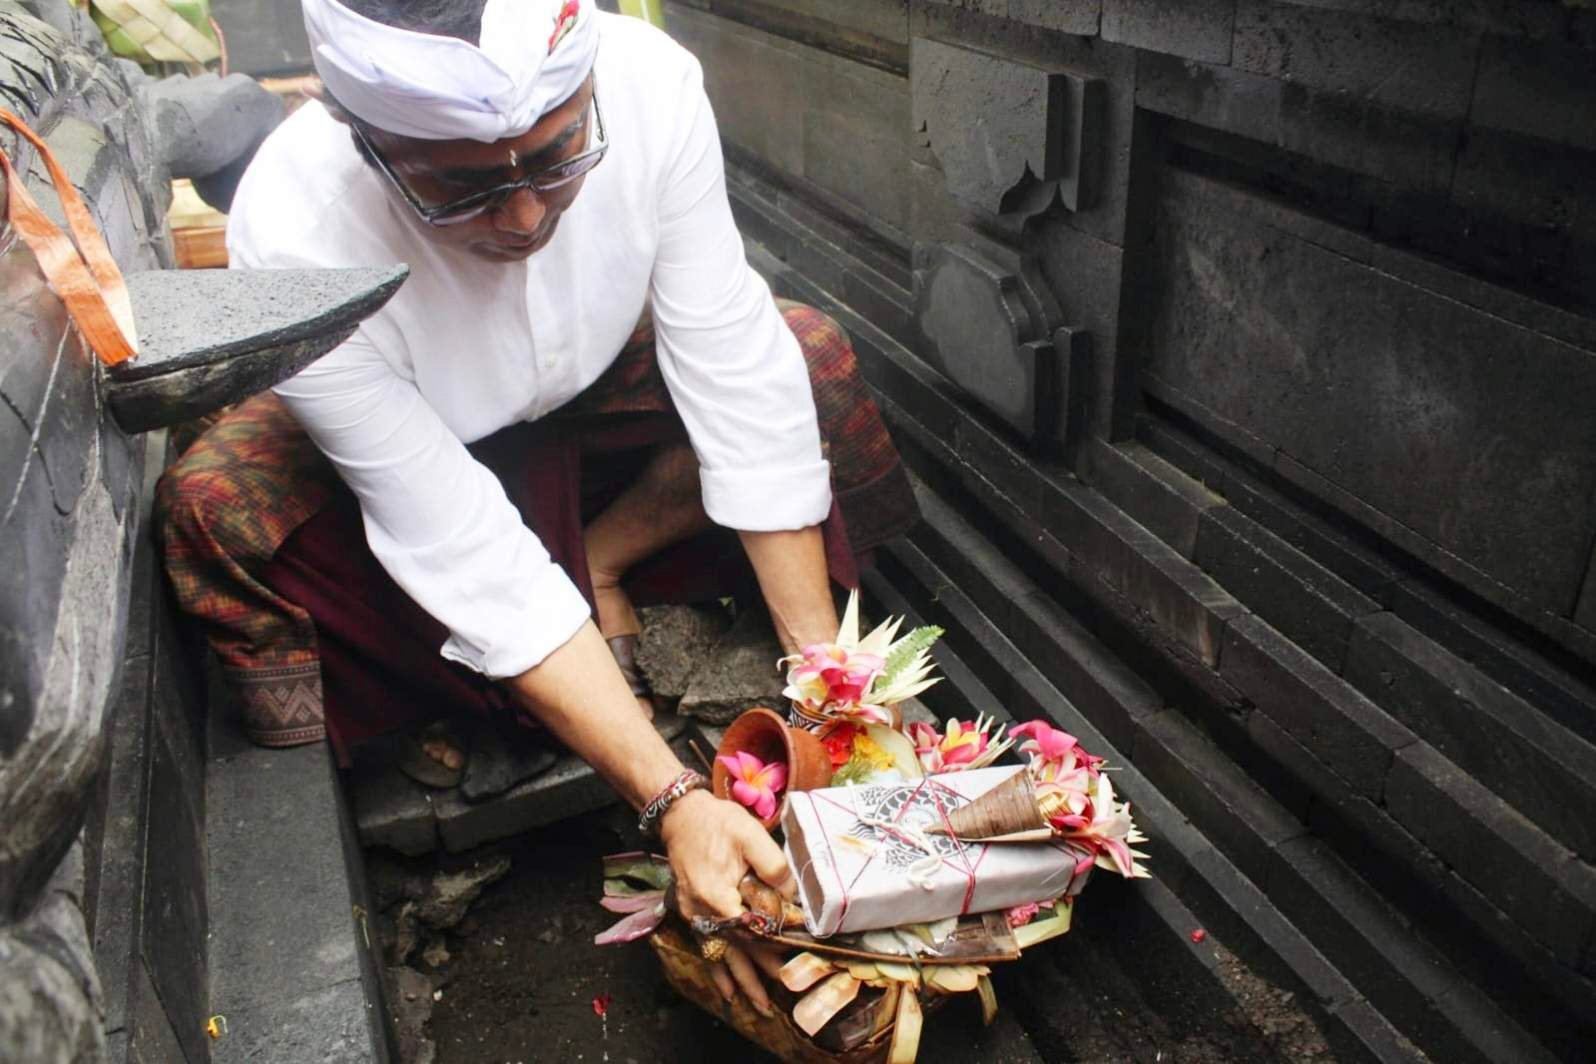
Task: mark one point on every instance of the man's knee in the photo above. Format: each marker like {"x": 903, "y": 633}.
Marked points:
{"x": 672, "y": 477}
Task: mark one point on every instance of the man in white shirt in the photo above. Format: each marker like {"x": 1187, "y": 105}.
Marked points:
{"x": 557, "y": 309}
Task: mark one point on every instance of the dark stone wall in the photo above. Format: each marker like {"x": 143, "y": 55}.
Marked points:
{"x": 1256, "y": 335}
{"x": 1405, "y": 189}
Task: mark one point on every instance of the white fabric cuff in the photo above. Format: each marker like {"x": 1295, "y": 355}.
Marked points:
{"x": 552, "y": 613}
{"x": 768, "y": 499}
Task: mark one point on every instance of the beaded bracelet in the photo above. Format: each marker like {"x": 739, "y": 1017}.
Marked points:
{"x": 654, "y": 811}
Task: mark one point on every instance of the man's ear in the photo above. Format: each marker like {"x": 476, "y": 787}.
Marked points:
{"x": 318, "y": 92}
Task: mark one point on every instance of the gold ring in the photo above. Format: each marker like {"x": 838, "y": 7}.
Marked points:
{"x": 712, "y": 948}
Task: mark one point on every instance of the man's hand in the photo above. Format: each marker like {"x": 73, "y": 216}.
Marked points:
{"x": 711, "y": 844}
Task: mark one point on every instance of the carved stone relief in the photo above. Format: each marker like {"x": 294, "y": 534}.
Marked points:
{"x": 1011, "y": 137}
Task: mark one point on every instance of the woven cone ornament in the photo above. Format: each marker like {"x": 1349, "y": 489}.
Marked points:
{"x": 1009, "y": 812}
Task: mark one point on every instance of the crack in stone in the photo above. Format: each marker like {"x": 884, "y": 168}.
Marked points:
{"x": 34, "y": 432}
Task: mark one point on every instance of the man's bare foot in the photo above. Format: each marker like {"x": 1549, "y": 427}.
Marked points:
{"x": 433, "y": 756}
{"x": 444, "y": 751}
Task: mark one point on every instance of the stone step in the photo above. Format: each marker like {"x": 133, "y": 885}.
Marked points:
{"x": 1252, "y": 832}
{"x": 291, "y": 954}
{"x": 1528, "y": 758}
{"x": 1528, "y": 671}
{"x": 392, "y": 810}
{"x": 1205, "y": 985}
{"x": 1295, "y": 694}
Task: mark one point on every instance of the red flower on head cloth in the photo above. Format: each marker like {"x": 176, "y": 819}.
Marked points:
{"x": 563, "y": 22}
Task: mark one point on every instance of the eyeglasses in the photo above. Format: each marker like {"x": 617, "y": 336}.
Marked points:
{"x": 476, "y": 204}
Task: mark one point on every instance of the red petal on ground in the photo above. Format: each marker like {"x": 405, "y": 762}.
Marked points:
{"x": 1198, "y": 935}
{"x": 601, "y": 1005}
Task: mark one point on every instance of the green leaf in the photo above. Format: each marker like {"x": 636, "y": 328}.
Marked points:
{"x": 905, "y": 651}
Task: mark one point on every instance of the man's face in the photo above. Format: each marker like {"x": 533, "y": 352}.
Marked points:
{"x": 437, "y": 171}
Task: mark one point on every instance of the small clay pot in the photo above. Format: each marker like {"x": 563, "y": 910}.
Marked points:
{"x": 763, "y": 733}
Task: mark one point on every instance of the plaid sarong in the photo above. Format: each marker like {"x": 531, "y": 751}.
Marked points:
{"x": 250, "y": 481}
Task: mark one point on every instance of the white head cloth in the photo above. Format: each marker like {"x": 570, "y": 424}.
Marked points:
{"x": 534, "y": 54}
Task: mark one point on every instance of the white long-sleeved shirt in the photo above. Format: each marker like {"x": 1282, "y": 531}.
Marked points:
{"x": 468, "y": 347}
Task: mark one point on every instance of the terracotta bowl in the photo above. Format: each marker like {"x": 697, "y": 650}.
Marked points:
{"x": 765, "y": 734}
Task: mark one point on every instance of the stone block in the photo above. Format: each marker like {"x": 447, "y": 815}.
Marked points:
{"x": 1415, "y": 369}
{"x": 265, "y": 37}
{"x": 392, "y": 810}
{"x": 1304, "y": 601}
{"x": 285, "y": 956}
{"x": 738, "y": 674}
{"x": 1193, "y": 30}
{"x": 1218, "y": 97}
{"x": 1207, "y": 787}
{"x": 1156, "y": 494}
{"x": 1447, "y": 911}
{"x": 1537, "y": 89}
{"x": 1512, "y": 662}
{"x": 1371, "y": 944}
{"x": 980, "y": 331}
{"x": 995, "y": 124}
{"x": 151, "y": 1037}
{"x": 1339, "y": 726}
{"x": 177, "y": 906}
{"x": 675, "y": 641}
{"x": 1585, "y": 611}
{"x": 568, "y": 789}
{"x": 1083, "y": 274}
{"x": 1355, "y": 1029}
{"x": 1543, "y": 770}
{"x": 1107, "y": 692}
{"x": 1238, "y": 910}
{"x": 1424, "y": 68}
{"x": 324, "y": 1023}
{"x": 1538, "y": 883}
{"x": 856, "y": 135}
{"x": 1066, "y": 16}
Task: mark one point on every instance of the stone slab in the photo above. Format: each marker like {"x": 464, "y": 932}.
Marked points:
{"x": 1218, "y": 798}
{"x": 979, "y": 331}
{"x": 1155, "y": 493}
{"x": 1339, "y": 726}
{"x": 326, "y": 1024}
{"x": 1535, "y": 89}
{"x": 1373, "y": 946}
{"x": 177, "y": 910}
{"x": 675, "y": 641}
{"x": 285, "y": 951}
{"x": 1545, "y": 771}
{"x": 1512, "y": 662}
{"x": 151, "y": 1036}
{"x": 568, "y": 789}
{"x": 1305, "y": 601}
{"x": 1449, "y": 913}
{"x": 392, "y": 810}
{"x": 1080, "y": 17}
{"x": 739, "y": 672}
{"x": 1108, "y": 692}
{"x": 1415, "y": 369}
{"x": 265, "y": 37}
{"x": 1193, "y": 30}
{"x": 994, "y": 123}
{"x": 1539, "y": 884}
{"x": 1423, "y": 68}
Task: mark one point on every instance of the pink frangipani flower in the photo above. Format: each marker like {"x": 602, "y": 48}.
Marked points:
{"x": 966, "y": 745}
{"x": 754, "y": 783}
{"x": 829, "y": 680}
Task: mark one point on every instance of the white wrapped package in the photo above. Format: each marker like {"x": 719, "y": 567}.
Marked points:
{"x": 864, "y": 860}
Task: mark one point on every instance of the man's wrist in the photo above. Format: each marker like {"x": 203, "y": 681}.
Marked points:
{"x": 680, "y": 786}
{"x": 693, "y": 800}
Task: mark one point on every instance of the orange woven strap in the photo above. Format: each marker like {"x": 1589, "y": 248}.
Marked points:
{"x": 83, "y": 274}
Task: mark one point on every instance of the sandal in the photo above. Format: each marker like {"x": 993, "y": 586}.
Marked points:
{"x": 624, "y": 648}
{"x": 415, "y": 762}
